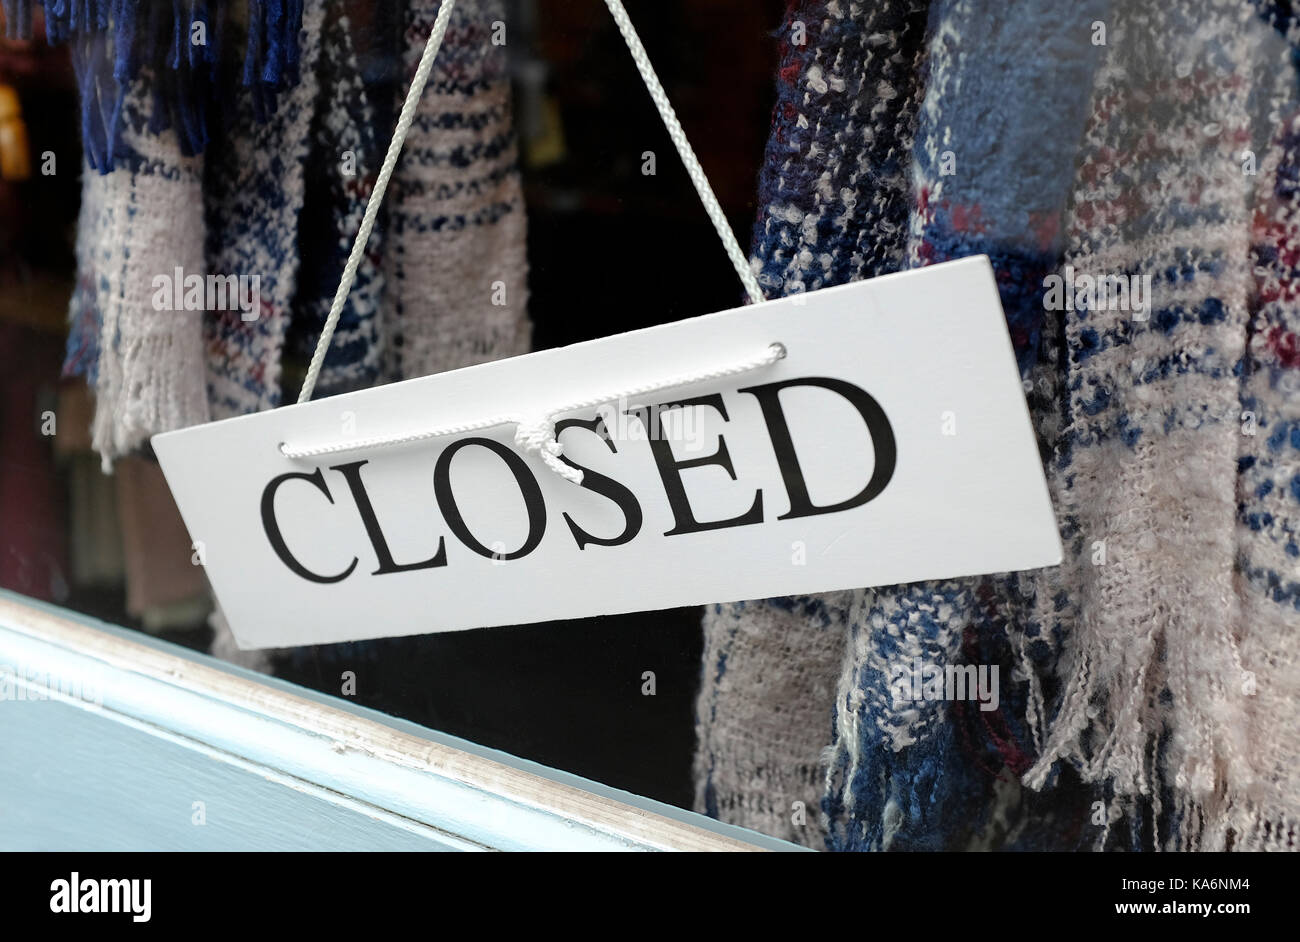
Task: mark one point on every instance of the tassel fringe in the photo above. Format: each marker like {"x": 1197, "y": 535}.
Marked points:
{"x": 179, "y": 41}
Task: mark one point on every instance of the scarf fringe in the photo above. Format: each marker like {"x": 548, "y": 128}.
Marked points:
{"x": 140, "y": 395}
{"x": 1232, "y": 825}
{"x": 179, "y": 41}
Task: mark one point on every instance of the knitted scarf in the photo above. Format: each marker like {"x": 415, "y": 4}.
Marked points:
{"x": 228, "y": 184}
{"x": 1154, "y": 673}
{"x": 457, "y": 271}
{"x": 342, "y": 162}
{"x": 1176, "y": 456}
{"x": 254, "y": 198}
{"x": 139, "y": 222}
{"x": 833, "y": 207}
{"x": 983, "y": 182}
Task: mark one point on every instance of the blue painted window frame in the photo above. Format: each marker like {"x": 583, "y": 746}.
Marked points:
{"x": 112, "y": 740}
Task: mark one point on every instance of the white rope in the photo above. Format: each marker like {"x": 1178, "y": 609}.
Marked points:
{"x": 404, "y": 120}
{"x": 536, "y": 435}
{"x": 693, "y": 168}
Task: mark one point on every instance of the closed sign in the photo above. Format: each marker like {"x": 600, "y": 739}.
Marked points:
{"x": 870, "y": 434}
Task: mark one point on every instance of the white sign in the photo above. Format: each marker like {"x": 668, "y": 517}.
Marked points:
{"x": 891, "y": 444}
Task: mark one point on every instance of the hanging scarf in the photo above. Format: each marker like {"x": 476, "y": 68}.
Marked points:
{"x": 148, "y": 75}
{"x": 457, "y": 272}
{"x": 1148, "y": 684}
{"x": 342, "y": 164}
{"x": 309, "y": 151}
{"x": 833, "y": 207}
{"x": 1176, "y": 459}
{"x": 140, "y": 223}
{"x": 254, "y": 193}
{"x": 983, "y": 182}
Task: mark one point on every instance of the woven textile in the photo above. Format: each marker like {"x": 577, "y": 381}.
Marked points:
{"x": 342, "y": 163}
{"x": 983, "y": 182}
{"x": 142, "y": 221}
{"x": 148, "y": 97}
{"x": 254, "y": 193}
{"x": 1149, "y": 684}
{"x": 273, "y": 203}
{"x": 457, "y": 268}
{"x": 834, "y": 200}
{"x": 1181, "y": 667}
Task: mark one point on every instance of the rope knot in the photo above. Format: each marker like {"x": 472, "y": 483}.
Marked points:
{"x": 537, "y": 437}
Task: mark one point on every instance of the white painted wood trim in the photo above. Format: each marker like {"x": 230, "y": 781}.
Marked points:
{"x": 456, "y": 793}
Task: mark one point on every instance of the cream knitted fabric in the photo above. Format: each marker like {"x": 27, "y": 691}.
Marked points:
{"x": 456, "y": 268}
{"x": 1182, "y": 677}
{"x": 763, "y": 716}
{"x": 138, "y": 223}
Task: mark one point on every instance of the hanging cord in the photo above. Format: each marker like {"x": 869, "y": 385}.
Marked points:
{"x": 536, "y": 436}
{"x": 403, "y": 127}
{"x": 693, "y": 168}
{"x": 533, "y": 436}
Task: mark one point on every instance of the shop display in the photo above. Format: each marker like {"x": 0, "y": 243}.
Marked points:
{"x": 1128, "y": 170}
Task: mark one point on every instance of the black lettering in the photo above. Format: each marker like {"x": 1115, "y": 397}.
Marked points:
{"x": 352, "y": 473}
{"x": 272, "y": 527}
{"x": 882, "y": 440}
{"x": 620, "y": 494}
{"x": 528, "y": 487}
{"x": 670, "y": 470}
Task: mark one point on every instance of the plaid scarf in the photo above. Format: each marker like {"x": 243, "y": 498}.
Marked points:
{"x": 1149, "y": 682}
{"x": 833, "y": 205}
